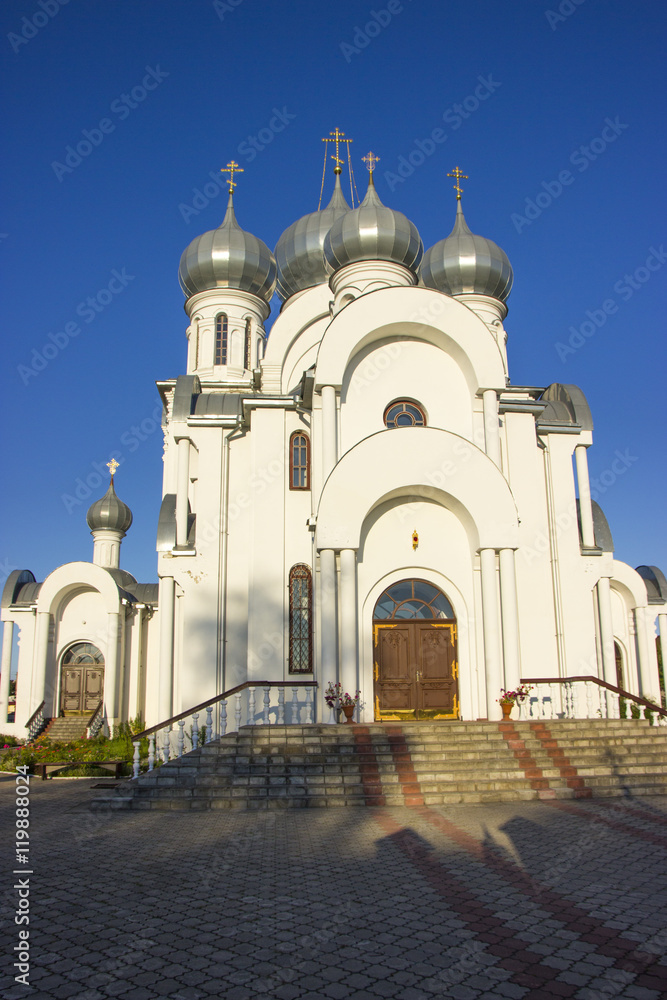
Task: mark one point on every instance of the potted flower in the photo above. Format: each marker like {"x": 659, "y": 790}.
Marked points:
{"x": 508, "y": 699}
{"x": 339, "y": 700}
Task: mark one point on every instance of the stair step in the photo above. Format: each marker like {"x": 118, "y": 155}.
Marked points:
{"x": 280, "y": 767}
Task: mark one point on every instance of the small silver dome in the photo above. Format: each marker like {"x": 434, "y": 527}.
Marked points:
{"x": 109, "y": 512}
{"x": 228, "y": 257}
{"x": 373, "y": 232}
{"x": 464, "y": 262}
{"x": 299, "y": 250}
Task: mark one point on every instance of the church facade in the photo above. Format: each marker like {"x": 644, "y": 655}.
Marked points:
{"x": 363, "y": 497}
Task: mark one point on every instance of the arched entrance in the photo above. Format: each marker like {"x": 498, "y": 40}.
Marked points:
{"x": 415, "y": 666}
{"x": 81, "y": 679}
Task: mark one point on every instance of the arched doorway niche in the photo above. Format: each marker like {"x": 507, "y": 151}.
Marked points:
{"x": 81, "y": 679}
{"x": 415, "y": 650}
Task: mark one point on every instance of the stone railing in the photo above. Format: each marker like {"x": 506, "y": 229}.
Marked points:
{"x": 583, "y": 697}
{"x": 37, "y": 723}
{"x": 255, "y": 703}
{"x": 95, "y": 722}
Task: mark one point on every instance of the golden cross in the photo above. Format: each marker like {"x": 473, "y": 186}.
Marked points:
{"x": 338, "y": 138}
{"x": 370, "y": 159}
{"x": 456, "y": 172}
{"x": 112, "y": 466}
{"x": 231, "y": 168}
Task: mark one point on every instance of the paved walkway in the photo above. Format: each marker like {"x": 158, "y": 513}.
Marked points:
{"x": 516, "y": 900}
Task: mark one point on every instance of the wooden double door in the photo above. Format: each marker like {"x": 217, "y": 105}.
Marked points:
{"x": 81, "y": 680}
{"x": 416, "y": 670}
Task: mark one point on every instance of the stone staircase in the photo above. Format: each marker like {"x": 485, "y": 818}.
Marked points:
{"x": 427, "y": 763}
{"x": 65, "y": 729}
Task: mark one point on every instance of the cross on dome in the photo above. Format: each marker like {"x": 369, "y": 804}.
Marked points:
{"x": 231, "y": 168}
{"x": 370, "y": 159}
{"x": 112, "y": 466}
{"x": 338, "y": 140}
{"x": 458, "y": 173}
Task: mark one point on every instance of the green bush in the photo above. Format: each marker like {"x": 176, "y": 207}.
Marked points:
{"x": 43, "y": 750}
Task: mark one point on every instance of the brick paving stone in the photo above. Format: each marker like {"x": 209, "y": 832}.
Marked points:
{"x": 329, "y": 903}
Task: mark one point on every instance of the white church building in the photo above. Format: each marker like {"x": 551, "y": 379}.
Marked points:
{"x": 362, "y": 497}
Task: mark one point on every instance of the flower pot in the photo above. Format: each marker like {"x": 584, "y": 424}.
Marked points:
{"x": 349, "y": 712}
{"x": 507, "y": 707}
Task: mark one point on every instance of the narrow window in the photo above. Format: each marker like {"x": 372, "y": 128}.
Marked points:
{"x": 299, "y": 461}
{"x": 403, "y": 413}
{"x": 248, "y": 353}
{"x": 300, "y": 620}
{"x": 220, "y": 340}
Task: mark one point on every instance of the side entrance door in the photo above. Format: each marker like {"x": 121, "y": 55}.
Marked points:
{"x": 82, "y": 679}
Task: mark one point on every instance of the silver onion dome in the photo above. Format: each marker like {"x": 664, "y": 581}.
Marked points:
{"x": 299, "y": 250}
{"x": 464, "y": 262}
{"x": 228, "y": 257}
{"x": 373, "y": 232}
{"x": 109, "y": 512}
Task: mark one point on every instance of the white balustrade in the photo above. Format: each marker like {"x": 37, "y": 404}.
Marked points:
{"x": 266, "y": 705}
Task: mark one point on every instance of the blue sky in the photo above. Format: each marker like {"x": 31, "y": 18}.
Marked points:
{"x": 553, "y": 110}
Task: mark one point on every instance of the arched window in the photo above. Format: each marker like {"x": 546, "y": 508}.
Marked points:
{"x": 413, "y": 599}
{"x": 299, "y": 461}
{"x": 220, "y": 340}
{"x": 300, "y": 620}
{"x": 248, "y": 346}
{"x": 403, "y": 413}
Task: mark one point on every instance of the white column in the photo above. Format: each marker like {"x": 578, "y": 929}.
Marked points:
{"x": 328, "y": 429}
{"x": 662, "y": 622}
{"x": 606, "y": 631}
{"x": 111, "y": 669}
{"x": 648, "y": 679}
{"x": 182, "y": 491}
{"x": 585, "y": 508}
{"x": 7, "y": 640}
{"x": 510, "y": 618}
{"x": 135, "y": 668}
{"x": 327, "y": 599}
{"x": 40, "y": 654}
{"x": 491, "y": 425}
{"x": 491, "y": 624}
{"x": 166, "y": 608}
{"x": 348, "y": 620}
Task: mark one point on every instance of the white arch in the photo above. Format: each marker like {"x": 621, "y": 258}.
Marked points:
{"x": 73, "y": 576}
{"x": 429, "y": 316}
{"x": 422, "y": 461}
{"x": 629, "y": 583}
